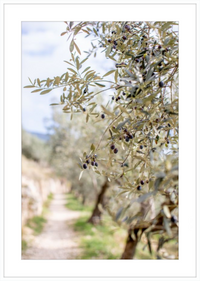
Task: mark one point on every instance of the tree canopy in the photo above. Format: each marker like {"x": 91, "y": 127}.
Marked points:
{"x": 138, "y": 147}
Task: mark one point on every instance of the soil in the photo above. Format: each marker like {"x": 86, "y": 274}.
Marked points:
{"x": 57, "y": 240}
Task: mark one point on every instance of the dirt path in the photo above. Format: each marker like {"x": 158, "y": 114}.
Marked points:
{"x": 57, "y": 241}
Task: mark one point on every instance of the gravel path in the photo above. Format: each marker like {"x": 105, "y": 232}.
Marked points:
{"x": 57, "y": 241}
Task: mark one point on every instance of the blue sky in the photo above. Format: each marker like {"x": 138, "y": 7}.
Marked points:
{"x": 43, "y": 55}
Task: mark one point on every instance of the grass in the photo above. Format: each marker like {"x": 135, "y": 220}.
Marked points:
{"x": 24, "y": 245}
{"x": 106, "y": 241}
{"x": 74, "y": 204}
{"x": 46, "y": 204}
{"x": 142, "y": 252}
{"x": 37, "y": 223}
{"x": 97, "y": 242}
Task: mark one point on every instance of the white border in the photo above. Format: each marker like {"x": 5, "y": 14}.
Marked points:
{"x": 14, "y": 266}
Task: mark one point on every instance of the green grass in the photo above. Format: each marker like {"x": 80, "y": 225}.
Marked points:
{"x": 50, "y": 196}
{"x": 105, "y": 241}
{"x": 142, "y": 252}
{"x": 46, "y": 204}
{"x": 24, "y": 245}
{"x": 37, "y": 222}
{"x": 97, "y": 242}
{"x": 74, "y": 204}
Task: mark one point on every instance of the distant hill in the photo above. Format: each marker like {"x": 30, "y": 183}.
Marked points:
{"x": 40, "y": 136}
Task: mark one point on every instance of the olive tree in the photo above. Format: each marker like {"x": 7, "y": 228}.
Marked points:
{"x": 140, "y": 121}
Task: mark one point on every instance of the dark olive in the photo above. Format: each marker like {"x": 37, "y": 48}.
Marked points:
{"x": 173, "y": 219}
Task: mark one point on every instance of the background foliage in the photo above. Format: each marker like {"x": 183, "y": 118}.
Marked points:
{"x": 127, "y": 124}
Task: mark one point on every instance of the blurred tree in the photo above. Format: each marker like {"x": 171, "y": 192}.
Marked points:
{"x": 67, "y": 141}
{"x": 140, "y": 120}
{"x": 34, "y": 148}
{"x": 96, "y": 214}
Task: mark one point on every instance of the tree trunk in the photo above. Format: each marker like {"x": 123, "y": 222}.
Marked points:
{"x": 94, "y": 182}
{"x": 131, "y": 245}
{"x": 83, "y": 199}
{"x": 96, "y": 214}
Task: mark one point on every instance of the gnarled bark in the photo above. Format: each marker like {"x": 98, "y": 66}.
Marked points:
{"x": 131, "y": 245}
{"x": 96, "y": 214}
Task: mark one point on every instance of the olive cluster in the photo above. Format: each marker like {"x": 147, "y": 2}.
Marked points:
{"x": 90, "y": 160}
{"x": 118, "y": 41}
{"x": 159, "y": 48}
{"x": 114, "y": 42}
{"x": 127, "y": 135}
{"x": 112, "y": 147}
{"x": 142, "y": 182}
{"x": 156, "y": 50}
{"x": 119, "y": 97}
